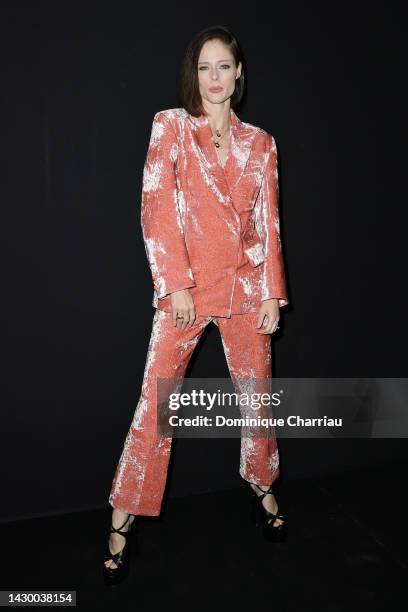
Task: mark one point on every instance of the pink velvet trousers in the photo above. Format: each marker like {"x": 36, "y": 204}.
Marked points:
{"x": 141, "y": 474}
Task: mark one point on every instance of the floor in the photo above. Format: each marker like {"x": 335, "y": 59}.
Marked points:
{"x": 346, "y": 550}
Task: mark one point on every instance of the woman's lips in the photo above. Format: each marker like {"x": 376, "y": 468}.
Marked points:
{"x": 215, "y": 89}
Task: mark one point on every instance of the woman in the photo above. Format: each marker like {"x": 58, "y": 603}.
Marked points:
{"x": 210, "y": 225}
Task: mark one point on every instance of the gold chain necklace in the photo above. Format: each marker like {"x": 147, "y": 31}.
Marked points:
{"x": 219, "y": 135}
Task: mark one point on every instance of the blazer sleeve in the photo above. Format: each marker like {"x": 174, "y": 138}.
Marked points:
{"x": 267, "y": 224}
{"x": 161, "y": 220}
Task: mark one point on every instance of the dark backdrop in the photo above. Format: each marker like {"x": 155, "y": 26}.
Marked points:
{"x": 82, "y": 83}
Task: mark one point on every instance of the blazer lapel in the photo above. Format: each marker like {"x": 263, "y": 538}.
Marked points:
{"x": 242, "y": 138}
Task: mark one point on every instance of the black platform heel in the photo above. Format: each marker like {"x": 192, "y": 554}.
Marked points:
{"x": 262, "y": 517}
{"x": 115, "y": 575}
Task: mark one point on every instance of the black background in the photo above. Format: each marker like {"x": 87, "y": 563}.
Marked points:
{"x": 81, "y": 85}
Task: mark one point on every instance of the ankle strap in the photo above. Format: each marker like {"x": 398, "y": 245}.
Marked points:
{"x": 118, "y": 530}
{"x": 269, "y": 490}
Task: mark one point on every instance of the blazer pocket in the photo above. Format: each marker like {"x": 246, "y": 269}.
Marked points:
{"x": 255, "y": 254}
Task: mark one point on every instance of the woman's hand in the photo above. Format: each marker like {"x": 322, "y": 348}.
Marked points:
{"x": 183, "y": 309}
{"x": 270, "y": 309}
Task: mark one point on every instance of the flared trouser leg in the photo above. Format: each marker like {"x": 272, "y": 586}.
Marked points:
{"x": 140, "y": 477}
{"x": 249, "y": 359}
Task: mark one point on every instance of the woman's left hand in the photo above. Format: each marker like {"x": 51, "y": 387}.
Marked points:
{"x": 270, "y": 309}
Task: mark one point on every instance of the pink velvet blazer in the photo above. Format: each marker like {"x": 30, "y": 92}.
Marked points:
{"x": 211, "y": 229}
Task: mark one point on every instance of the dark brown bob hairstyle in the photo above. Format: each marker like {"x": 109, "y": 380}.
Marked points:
{"x": 189, "y": 95}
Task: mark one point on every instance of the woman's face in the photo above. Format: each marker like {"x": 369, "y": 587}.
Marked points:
{"x": 217, "y": 70}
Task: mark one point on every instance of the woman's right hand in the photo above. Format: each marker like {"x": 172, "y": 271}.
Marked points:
{"x": 183, "y": 309}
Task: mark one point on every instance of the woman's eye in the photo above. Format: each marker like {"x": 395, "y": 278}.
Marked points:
{"x": 223, "y": 66}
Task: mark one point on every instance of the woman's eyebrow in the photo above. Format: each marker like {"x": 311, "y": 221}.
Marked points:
{"x": 224, "y": 60}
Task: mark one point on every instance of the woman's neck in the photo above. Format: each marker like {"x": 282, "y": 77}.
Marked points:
{"x": 219, "y": 117}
